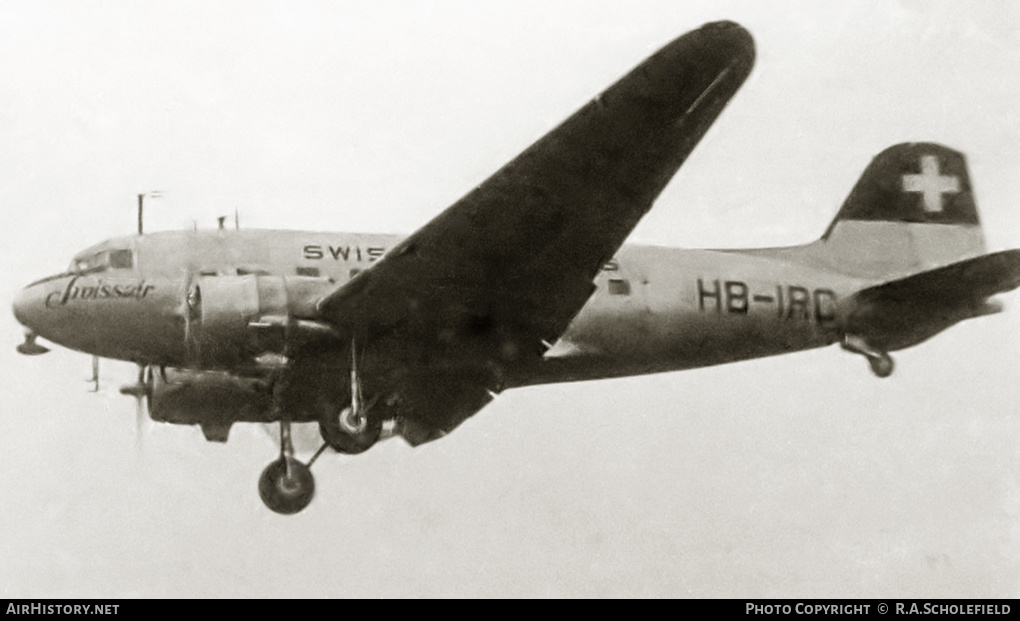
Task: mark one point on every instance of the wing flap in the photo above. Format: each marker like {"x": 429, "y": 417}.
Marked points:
{"x": 430, "y": 409}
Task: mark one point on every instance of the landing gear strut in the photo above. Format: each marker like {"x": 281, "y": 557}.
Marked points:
{"x": 881, "y": 362}
{"x": 286, "y": 485}
{"x": 351, "y": 431}
{"x": 354, "y": 420}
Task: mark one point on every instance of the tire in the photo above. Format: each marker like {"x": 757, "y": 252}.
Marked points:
{"x": 286, "y": 494}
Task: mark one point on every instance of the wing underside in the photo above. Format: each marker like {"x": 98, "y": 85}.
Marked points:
{"x": 508, "y": 266}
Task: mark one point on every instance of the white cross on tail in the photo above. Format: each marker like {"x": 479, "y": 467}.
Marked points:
{"x": 931, "y": 184}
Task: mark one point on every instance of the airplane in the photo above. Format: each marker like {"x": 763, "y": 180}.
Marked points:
{"x": 523, "y": 281}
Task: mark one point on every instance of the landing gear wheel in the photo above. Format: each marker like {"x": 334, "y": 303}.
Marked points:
{"x": 880, "y": 361}
{"x": 286, "y": 486}
{"x": 335, "y": 433}
{"x": 353, "y": 422}
{"x": 882, "y": 365}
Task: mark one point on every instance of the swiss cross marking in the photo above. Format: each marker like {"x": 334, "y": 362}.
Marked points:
{"x": 930, "y": 184}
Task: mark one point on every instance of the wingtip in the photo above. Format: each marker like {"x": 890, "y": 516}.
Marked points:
{"x": 732, "y": 34}
{"x": 723, "y": 24}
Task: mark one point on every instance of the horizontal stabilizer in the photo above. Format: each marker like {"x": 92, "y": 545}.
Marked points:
{"x": 973, "y": 279}
{"x": 907, "y": 311}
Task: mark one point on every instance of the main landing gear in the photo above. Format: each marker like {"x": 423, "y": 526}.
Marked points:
{"x": 881, "y": 362}
{"x": 351, "y": 431}
{"x": 287, "y": 485}
{"x": 343, "y": 436}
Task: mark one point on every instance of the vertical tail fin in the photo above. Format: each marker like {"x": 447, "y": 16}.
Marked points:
{"x": 911, "y": 210}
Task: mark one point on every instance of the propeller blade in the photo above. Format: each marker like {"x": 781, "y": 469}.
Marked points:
{"x": 143, "y": 416}
{"x": 140, "y": 424}
{"x": 141, "y": 390}
{"x": 95, "y": 374}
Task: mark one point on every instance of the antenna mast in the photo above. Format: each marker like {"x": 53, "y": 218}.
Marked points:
{"x": 141, "y": 200}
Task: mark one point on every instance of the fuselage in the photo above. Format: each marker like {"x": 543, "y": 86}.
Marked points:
{"x": 654, "y": 309}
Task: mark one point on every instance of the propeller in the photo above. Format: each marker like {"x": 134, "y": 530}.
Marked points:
{"x": 95, "y": 375}
{"x": 142, "y": 392}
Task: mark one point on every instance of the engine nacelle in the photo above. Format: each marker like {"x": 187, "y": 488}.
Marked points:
{"x": 233, "y": 321}
{"x": 212, "y": 399}
{"x": 188, "y": 397}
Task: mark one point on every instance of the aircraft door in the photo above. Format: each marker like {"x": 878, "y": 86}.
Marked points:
{"x": 622, "y": 312}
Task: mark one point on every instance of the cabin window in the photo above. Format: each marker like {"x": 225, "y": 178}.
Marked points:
{"x": 618, "y": 286}
{"x": 121, "y": 259}
{"x": 252, "y": 271}
{"x": 308, "y": 271}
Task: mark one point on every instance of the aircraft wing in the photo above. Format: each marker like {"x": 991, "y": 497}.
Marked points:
{"x": 510, "y": 264}
{"x": 913, "y": 308}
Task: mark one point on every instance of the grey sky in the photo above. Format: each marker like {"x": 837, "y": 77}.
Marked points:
{"x": 795, "y": 476}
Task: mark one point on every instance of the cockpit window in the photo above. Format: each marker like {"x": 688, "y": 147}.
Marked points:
{"x": 121, "y": 259}
{"x": 108, "y": 259}
{"x": 83, "y": 265}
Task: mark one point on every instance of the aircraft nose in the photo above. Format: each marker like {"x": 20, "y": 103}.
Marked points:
{"x": 30, "y": 305}
{"x": 22, "y": 306}
{"x": 26, "y": 306}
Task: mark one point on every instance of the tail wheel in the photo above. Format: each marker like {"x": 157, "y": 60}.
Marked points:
{"x": 286, "y": 486}
{"x": 881, "y": 362}
{"x": 882, "y": 365}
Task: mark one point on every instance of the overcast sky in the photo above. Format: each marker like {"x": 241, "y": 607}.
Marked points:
{"x": 801, "y": 475}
